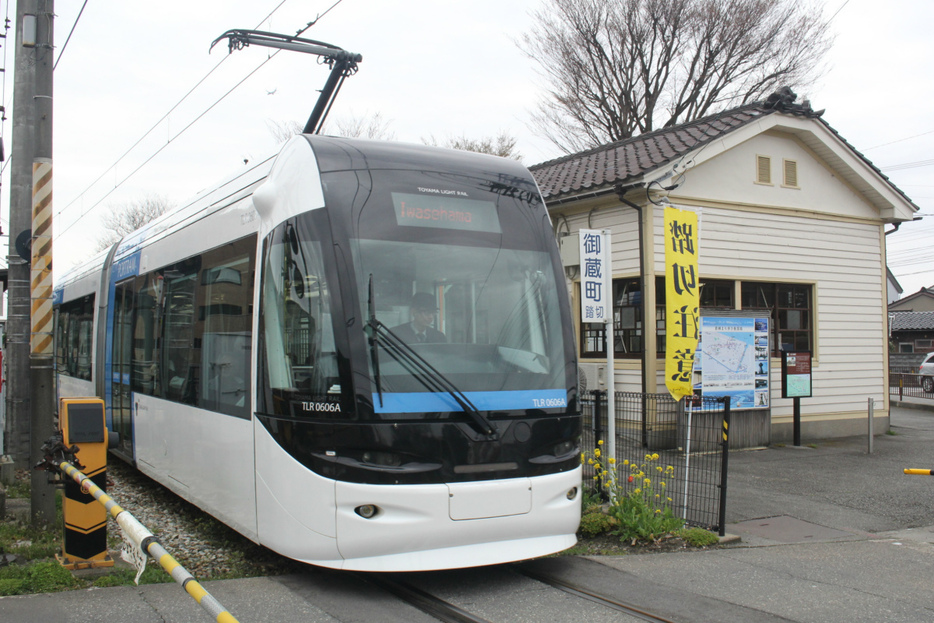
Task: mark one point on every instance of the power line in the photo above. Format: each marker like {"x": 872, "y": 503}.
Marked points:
{"x": 70, "y": 32}
{"x": 154, "y": 126}
{"x": 907, "y": 138}
{"x": 838, "y": 10}
{"x": 169, "y": 142}
{"x": 908, "y": 165}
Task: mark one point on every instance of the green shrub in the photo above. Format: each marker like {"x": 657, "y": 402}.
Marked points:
{"x": 698, "y": 537}
{"x": 48, "y": 576}
{"x": 11, "y": 586}
{"x": 595, "y": 523}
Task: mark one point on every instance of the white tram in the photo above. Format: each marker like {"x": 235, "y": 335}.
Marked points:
{"x": 255, "y": 351}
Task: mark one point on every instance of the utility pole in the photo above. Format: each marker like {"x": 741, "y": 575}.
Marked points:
{"x": 31, "y": 397}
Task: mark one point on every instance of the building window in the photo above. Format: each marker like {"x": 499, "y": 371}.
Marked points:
{"x": 790, "y": 173}
{"x": 789, "y": 306}
{"x": 717, "y": 294}
{"x": 906, "y": 347}
{"x": 627, "y": 315}
{"x": 763, "y": 170}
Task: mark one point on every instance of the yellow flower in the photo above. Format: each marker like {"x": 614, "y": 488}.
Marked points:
{"x": 600, "y": 443}
{"x": 637, "y": 491}
{"x": 655, "y": 456}
{"x": 658, "y": 468}
{"x": 648, "y": 457}
{"x": 663, "y": 484}
{"x": 670, "y": 470}
{"x": 657, "y": 511}
{"x": 596, "y": 453}
{"x": 626, "y": 462}
{"x": 589, "y": 461}
{"x": 647, "y": 482}
{"x": 596, "y": 478}
{"x": 669, "y": 499}
{"x": 612, "y": 461}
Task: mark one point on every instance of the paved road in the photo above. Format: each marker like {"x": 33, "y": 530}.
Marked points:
{"x": 829, "y": 534}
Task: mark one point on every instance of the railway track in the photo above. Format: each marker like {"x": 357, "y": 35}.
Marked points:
{"x": 425, "y": 593}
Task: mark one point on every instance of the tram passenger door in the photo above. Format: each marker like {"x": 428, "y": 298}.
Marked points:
{"x": 121, "y": 396}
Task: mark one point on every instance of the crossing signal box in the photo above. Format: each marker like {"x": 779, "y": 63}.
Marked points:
{"x": 85, "y": 541}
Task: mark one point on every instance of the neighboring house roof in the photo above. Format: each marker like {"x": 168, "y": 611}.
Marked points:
{"x": 909, "y": 300}
{"x": 634, "y": 160}
{"x": 912, "y": 321}
{"x": 893, "y": 280}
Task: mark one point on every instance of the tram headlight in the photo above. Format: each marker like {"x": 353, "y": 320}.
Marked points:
{"x": 367, "y": 511}
{"x": 572, "y": 493}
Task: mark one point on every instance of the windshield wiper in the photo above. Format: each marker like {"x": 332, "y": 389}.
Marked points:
{"x": 418, "y": 366}
{"x": 373, "y": 336}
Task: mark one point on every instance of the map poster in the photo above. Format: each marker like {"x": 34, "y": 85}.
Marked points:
{"x": 796, "y": 374}
{"x": 733, "y": 360}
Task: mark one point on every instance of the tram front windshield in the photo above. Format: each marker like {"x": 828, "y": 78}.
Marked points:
{"x": 463, "y": 301}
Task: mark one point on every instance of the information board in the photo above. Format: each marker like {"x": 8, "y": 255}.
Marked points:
{"x": 796, "y": 374}
{"x": 733, "y": 360}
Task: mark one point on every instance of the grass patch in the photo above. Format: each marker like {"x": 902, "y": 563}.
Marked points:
{"x": 698, "y": 537}
{"x": 40, "y": 577}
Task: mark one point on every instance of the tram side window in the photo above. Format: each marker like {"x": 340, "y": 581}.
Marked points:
{"x": 74, "y": 338}
{"x": 146, "y": 373}
{"x": 181, "y": 348}
{"x": 192, "y": 330}
{"x": 224, "y": 327}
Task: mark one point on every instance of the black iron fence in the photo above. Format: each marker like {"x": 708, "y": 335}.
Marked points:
{"x": 687, "y": 439}
{"x": 910, "y": 385}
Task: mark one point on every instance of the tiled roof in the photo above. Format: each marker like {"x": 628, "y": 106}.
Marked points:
{"x": 907, "y": 321}
{"x": 602, "y": 168}
{"x": 629, "y": 159}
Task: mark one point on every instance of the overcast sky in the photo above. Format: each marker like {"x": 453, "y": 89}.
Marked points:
{"x": 430, "y": 68}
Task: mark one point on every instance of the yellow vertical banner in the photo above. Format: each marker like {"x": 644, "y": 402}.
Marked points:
{"x": 682, "y": 300}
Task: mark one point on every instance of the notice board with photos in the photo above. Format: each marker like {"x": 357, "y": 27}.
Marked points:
{"x": 732, "y": 360}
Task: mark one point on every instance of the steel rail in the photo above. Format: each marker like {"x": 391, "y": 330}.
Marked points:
{"x": 584, "y": 593}
{"x": 426, "y": 602}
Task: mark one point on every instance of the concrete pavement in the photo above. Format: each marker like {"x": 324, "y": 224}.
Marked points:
{"x": 828, "y": 533}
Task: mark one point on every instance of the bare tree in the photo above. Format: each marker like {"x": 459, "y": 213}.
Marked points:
{"x": 127, "y": 218}
{"x": 373, "y": 126}
{"x": 283, "y": 130}
{"x": 618, "y": 68}
{"x": 502, "y": 145}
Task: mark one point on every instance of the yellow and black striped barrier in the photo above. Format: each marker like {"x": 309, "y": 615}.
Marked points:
{"x": 85, "y": 539}
{"x": 920, "y": 472}
{"x": 149, "y": 544}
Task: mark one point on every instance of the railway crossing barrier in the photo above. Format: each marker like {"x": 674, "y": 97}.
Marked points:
{"x": 138, "y": 540}
{"x": 919, "y": 472}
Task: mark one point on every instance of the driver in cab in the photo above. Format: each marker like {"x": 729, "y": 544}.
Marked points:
{"x": 418, "y": 330}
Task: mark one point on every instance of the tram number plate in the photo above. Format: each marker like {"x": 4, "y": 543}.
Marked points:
{"x": 492, "y": 498}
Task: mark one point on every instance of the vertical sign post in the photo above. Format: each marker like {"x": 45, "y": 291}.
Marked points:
{"x": 597, "y": 307}
{"x": 682, "y": 300}
{"x": 796, "y": 384}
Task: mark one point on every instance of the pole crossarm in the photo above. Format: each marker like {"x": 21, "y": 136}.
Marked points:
{"x": 239, "y": 39}
{"x": 341, "y": 62}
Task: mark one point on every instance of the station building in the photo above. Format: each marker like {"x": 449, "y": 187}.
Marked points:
{"x": 792, "y": 222}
